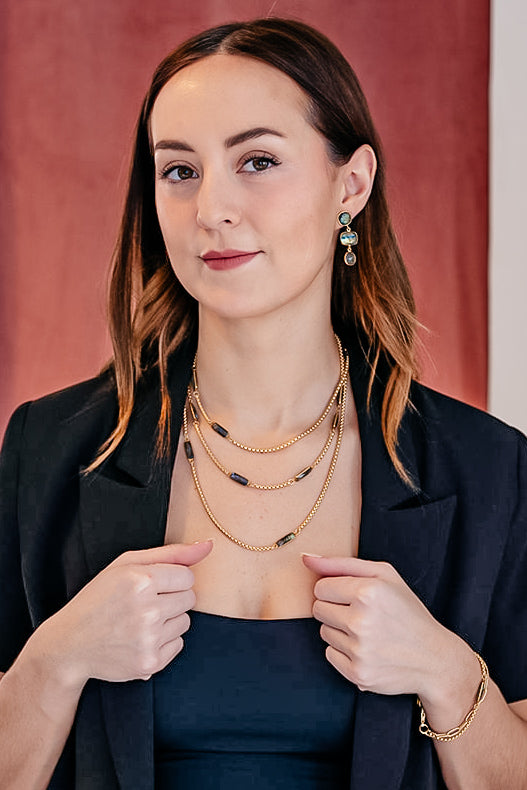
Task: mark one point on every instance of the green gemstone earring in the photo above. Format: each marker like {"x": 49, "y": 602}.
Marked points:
{"x": 349, "y": 238}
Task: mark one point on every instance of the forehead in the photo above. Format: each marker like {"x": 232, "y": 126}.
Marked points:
{"x": 226, "y": 93}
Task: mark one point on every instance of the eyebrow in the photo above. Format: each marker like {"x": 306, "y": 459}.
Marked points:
{"x": 230, "y": 142}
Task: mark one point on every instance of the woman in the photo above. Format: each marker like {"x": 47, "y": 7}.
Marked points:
{"x": 353, "y": 536}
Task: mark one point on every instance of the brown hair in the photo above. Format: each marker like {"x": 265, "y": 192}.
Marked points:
{"x": 151, "y": 313}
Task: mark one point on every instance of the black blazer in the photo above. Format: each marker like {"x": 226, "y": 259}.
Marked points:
{"x": 460, "y": 543}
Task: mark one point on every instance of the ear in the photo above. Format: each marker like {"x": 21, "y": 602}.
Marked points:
{"x": 357, "y": 176}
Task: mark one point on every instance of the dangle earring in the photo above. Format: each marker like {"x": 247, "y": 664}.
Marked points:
{"x": 349, "y": 238}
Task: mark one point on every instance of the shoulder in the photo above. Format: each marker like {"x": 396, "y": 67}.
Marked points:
{"x": 453, "y": 422}
{"x": 73, "y": 402}
{"x": 459, "y": 448}
{"x": 78, "y": 416}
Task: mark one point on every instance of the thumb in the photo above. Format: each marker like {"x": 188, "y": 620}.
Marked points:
{"x": 171, "y": 554}
{"x": 343, "y": 566}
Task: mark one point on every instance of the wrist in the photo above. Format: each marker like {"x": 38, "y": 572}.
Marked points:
{"x": 450, "y": 687}
{"x": 459, "y": 729}
{"x": 58, "y": 674}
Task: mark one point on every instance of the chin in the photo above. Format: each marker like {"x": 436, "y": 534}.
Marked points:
{"x": 240, "y": 309}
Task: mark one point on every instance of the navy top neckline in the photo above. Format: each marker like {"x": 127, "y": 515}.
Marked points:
{"x": 231, "y": 618}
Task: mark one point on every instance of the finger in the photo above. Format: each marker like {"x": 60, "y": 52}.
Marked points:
{"x": 173, "y": 628}
{"x": 170, "y": 578}
{"x": 171, "y": 605}
{"x": 174, "y": 553}
{"x": 337, "y": 589}
{"x": 165, "y": 655}
{"x": 344, "y": 566}
{"x": 169, "y": 651}
{"x": 341, "y": 662}
{"x": 342, "y": 642}
{"x": 335, "y": 615}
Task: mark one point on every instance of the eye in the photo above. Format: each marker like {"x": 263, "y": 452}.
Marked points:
{"x": 259, "y": 164}
{"x": 178, "y": 173}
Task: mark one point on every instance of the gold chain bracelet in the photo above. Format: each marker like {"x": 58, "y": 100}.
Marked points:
{"x": 455, "y": 732}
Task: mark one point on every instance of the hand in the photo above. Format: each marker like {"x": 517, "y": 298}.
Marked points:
{"x": 128, "y": 622}
{"x": 380, "y": 635}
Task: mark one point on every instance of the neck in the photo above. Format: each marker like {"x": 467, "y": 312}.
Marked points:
{"x": 265, "y": 379}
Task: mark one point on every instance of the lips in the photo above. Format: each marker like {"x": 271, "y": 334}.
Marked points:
{"x": 227, "y": 259}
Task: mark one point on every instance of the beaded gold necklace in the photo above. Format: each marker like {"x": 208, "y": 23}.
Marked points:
{"x": 338, "y": 399}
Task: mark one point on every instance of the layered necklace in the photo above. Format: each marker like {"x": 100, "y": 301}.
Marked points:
{"x": 195, "y": 413}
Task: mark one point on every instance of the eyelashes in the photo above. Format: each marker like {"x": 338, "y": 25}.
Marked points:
{"x": 178, "y": 173}
{"x": 260, "y": 162}
{"x": 254, "y": 163}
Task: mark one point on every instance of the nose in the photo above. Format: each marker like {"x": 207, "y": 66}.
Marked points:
{"x": 217, "y": 203}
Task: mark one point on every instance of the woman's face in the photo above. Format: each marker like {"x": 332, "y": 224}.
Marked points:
{"x": 246, "y": 196}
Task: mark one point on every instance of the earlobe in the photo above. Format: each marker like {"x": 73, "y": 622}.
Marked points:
{"x": 359, "y": 175}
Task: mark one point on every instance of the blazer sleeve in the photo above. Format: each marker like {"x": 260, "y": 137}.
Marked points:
{"x": 505, "y": 647}
{"x": 15, "y": 622}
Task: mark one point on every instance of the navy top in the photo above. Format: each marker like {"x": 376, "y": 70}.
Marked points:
{"x": 252, "y": 703}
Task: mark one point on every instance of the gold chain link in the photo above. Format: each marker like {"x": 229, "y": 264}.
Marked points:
{"x": 269, "y": 486}
{"x": 288, "y": 443}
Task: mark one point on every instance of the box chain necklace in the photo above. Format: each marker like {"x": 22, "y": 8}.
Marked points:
{"x": 338, "y": 398}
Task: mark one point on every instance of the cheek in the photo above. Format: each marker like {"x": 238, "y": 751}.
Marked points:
{"x": 306, "y": 210}
{"x": 174, "y": 229}
{"x": 175, "y": 214}
{"x": 290, "y": 222}
{"x": 309, "y": 234}
{"x": 168, "y": 221}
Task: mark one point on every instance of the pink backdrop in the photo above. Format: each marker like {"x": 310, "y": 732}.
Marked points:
{"x": 72, "y": 78}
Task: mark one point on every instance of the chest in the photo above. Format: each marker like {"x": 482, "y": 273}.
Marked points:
{"x": 269, "y": 584}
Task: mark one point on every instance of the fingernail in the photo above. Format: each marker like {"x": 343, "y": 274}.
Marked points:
{"x": 308, "y": 554}
{"x": 209, "y": 540}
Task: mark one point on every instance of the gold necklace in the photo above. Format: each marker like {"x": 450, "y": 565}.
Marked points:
{"x": 244, "y": 481}
{"x": 341, "y": 411}
{"x": 224, "y": 433}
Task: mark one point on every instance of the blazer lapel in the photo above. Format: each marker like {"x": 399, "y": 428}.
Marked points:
{"x": 117, "y": 516}
{"x": 123, "y": 506}
{"x": 410, "y": 531}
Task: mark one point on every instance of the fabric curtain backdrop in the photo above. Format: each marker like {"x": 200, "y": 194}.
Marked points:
{"x": 72, "y": 78}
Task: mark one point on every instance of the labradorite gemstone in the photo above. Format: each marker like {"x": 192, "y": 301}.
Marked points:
{"x": 219, "y": 429}
{"x": 194, "y": 412}
{"x": 189, "y": 452}
{"x": 350, "y": 259}
{"x": 239, "y": 478}
{"x": 286, "y": 539}
{"x": 303, "y": 473}
{"x": 348, "y": 237}
{"x": 344, "y": 218}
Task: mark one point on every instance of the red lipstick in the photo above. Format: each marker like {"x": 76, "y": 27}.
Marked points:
{"x": 227, "y": 259}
